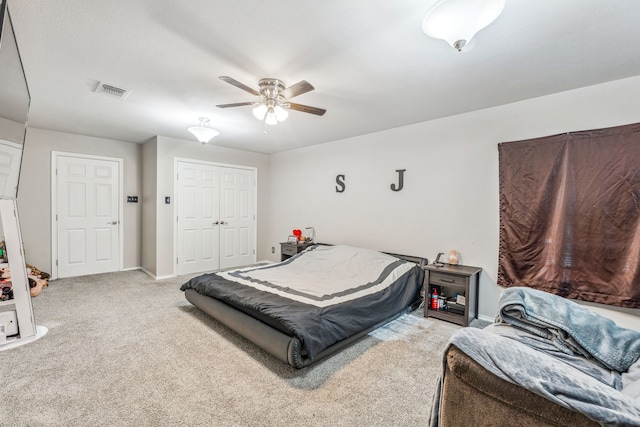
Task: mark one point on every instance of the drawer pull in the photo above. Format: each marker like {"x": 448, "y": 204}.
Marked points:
{"x": 444, "y": 279}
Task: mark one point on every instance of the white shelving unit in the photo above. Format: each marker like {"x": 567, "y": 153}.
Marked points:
{"x": 21, "y": 302}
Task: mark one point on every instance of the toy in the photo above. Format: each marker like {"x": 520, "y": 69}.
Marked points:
{"x": 37, "y": 280}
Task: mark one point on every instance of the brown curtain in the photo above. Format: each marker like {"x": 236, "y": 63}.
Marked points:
{"x": 570, "y": 215}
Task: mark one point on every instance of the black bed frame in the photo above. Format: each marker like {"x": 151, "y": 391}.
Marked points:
{"x": 285, "y": 347}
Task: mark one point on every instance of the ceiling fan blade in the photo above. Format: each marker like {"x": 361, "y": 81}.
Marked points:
{"x": 297, "y": 89}
{"x": 237, "y": 104}
{"x": 239, "y": 85}
{"x": 307, "y": 109}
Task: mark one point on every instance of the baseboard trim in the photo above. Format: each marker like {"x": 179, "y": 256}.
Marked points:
{"x": 153, "y": 276}
{"x": 486, "y": 318}
{"x": 148, "y": 272}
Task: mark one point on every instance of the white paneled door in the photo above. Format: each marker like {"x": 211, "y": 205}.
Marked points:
{"x": 216, "y": 217}
{"x": 87, "y": 215}
{"x": 198, "y": 218}
{"x": 237, "y": 215}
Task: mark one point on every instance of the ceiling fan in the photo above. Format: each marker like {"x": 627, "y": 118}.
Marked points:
{"x": 273, "y": 102}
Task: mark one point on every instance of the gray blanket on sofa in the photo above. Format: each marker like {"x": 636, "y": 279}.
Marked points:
{"x": 546, "y": 376}
{"x": 559, "y": 350}
{"x": 572, "y": 328}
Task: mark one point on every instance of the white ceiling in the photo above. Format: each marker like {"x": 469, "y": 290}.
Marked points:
{"x": 372, "y": 66}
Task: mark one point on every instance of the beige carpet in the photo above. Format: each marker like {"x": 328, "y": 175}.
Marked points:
{"x": 123, "y": 349}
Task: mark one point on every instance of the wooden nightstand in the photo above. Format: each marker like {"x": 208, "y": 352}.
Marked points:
{"x": 450, "y": 280}
{"x": 287, "y": 250}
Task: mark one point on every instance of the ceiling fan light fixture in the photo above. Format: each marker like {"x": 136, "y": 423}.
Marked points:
{"x": 457, "y": 21}
{"x": 281, "y": 113}
{"x": 260, "y": 111}
{"x": 271, "y": 118}
{"x": 203, "y": 132}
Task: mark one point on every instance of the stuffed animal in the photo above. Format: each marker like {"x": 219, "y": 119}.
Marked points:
{"x": 36, "y": 284}
{"x": 37, "y": 281}
{"x": 37, "y": 273}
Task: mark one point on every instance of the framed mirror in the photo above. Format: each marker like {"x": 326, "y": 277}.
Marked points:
{"x": 14, "y": 107}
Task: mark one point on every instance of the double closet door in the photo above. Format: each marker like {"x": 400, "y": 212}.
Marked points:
{"x": 215, "y": 217}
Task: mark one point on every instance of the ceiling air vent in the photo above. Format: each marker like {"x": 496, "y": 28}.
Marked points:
{"x": 113, "y": 91}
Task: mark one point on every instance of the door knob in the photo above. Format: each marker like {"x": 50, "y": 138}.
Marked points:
{"x": 112, "y": 222}
{"x": 216, "y": 223}
{"x": 222, "y": 223}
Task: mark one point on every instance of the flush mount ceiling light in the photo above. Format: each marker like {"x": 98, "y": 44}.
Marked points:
{"x": 203, "y": 131}
{"x": 457, "y": 21}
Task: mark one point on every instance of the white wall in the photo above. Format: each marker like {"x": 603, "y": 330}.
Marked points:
{"x": 34, "y": 191}
{"x": 450, "y": 198}
{"x": 11, "y": 130}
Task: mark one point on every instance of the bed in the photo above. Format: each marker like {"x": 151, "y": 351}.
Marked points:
{"x": 313, "y": 304}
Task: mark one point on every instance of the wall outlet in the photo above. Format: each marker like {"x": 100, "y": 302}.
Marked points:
{"x": 167, "y": 200}
{"x": 132, "y": 199}
{"x": 273, "y": 249}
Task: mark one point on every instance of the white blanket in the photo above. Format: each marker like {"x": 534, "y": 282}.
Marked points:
{"x": 325, "y": 275}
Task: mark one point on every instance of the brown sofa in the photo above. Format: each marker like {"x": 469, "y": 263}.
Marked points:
{"x": 472, "y": 396}
{"x": 545, "y": 361}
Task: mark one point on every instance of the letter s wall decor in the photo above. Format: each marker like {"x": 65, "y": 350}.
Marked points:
{"x": 341, "y": 185}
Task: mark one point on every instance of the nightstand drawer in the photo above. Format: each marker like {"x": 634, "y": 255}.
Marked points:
{"x": 289, "y": 249}
{"x": 436, "y": 278}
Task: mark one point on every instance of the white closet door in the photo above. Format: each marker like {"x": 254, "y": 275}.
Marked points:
{"x": 237, "y": 215}
{"x": 216, "y": 217}
{"x": 198, "y": 218}
{"x": 87, "y": 216}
